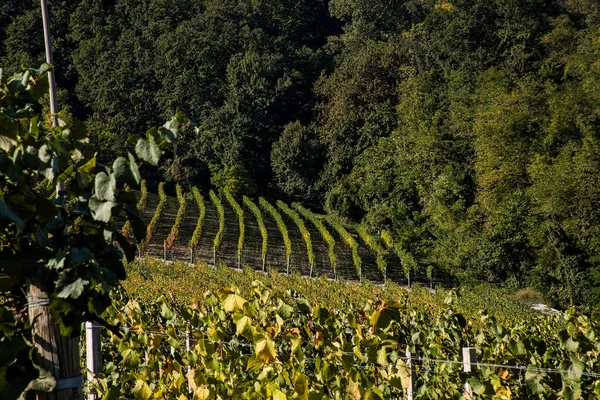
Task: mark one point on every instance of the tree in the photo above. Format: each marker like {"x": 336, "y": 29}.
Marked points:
{"x": 296, "y": 159}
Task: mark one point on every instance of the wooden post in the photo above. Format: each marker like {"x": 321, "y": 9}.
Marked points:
{"x": 93, "y": 354}
{"x": 469, "y": 359}
{"x": 412, "y": 380}
{"x": 57, "y": 354}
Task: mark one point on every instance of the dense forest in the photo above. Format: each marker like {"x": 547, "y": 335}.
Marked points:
{"x": 469, "y": 128}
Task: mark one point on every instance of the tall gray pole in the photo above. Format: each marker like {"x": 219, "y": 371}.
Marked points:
{"x": 50, "y": 60}
{"x": 52, "y": 82}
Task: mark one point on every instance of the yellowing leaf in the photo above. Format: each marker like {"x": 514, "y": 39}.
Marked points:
{"x": 242, "y": 324}
{"x": 301, "y": 386}
{"x": 233, "y": 302}
{"x": 141, "y": 390}
{"x": 265, "y": 350}
{"x": 353, "y": 389}
{"x": 279, "y": 395}
{"x": 202, "y": 393}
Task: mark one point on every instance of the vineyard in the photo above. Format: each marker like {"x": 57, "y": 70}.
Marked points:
{"x": 265, "y": 331}
{"x": 219, "y": 228}
{"x": 259, "y": 338}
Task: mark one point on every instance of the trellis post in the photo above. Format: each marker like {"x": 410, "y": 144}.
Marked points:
{"x": 469, "y": 360}
{"x": 93, "y": 354}
{"x": 412, "y": 376}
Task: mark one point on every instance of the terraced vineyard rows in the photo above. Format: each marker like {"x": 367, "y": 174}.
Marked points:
{"x": 282, "y": 237}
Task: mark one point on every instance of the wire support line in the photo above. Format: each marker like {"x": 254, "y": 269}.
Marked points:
{"x": 522, "y": 368}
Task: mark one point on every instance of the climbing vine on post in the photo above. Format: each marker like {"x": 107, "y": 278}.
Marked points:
{"x": 58, "y": 254}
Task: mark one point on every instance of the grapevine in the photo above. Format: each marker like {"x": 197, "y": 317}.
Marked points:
{"x": 240, "y": 214}
{"x": 349, "y": 240}
{"x": 292, "y": 346}
{"x": 282, "y": 228}
{"x": 303, "y": 231}
{"x": 221, "y": 214}
{"x": 407, "y": 260}
{"x": 324, "y": 234}
{"x": 155, "y": 218}
{"x": 261, "y": 226}
{"x": 202, "y": 213}
{"x": 373, "y": 243}
{"x": 180, "y": 212}
{"x": 141, "y": 206}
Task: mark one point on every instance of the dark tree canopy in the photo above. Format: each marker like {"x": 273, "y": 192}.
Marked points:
{"x": 469, "y": 128}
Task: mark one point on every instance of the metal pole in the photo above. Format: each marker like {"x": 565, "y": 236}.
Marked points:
{"x": 50, "y": 60}
{"x": 52, "y": 89}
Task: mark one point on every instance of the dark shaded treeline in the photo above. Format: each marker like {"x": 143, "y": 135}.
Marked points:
{"x": 470, "y": 128}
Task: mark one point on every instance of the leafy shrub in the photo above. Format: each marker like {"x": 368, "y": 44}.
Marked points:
{"x": 530, "y": 296}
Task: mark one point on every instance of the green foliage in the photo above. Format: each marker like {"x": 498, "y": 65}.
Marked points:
{"x": 323, "y": 231}
{"x": 467, "y": 128}
{"x": 287, "y": 243}
{"x": 201, "y": 214}
{"x": 349, "y": 240}
{"x": 387, "y": 239}
{"x": 407, "y": 260}
{"x": 296, "y": 159}
{"x": 221, "y": 215}
{"x": 261, "y": 227}
{"x": 372, "y": 243}
{"x": 65, "y": 246}
{"x": 240, "y": 215}
{"x": 149, "y": 278}
{"x": 241, "y": 335}
{"x": 303, "y": 231}
{"x": 162, "y": 202}
{"x": 174, "y": 233}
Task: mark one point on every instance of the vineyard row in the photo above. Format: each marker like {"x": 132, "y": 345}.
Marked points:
{"x": 320, "y": 243}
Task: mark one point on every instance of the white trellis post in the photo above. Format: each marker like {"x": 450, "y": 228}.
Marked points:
{"x": 412, "y": 376}
{"x": 469, "y": 360}
{"x": 93, "y": 354}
